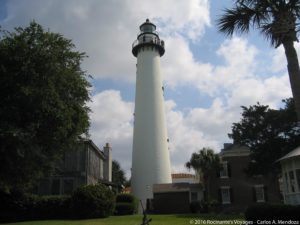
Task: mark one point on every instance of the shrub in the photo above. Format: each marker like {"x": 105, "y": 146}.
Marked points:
{"x": 126, "y": 204}
{"x": 125, "y": 198}
{"x": 93, "y": 201}
{"x": 16, "y": 206}
{"x": 124, "y": 208}
{"x": 52, "y": 207}
{"x": 195, "y": 206}
{"x": 272, "y": 212}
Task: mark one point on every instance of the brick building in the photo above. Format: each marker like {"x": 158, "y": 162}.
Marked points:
{"x": 234, "y": 189}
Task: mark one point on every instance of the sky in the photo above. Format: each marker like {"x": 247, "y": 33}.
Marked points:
{"x": 207, "y": 76}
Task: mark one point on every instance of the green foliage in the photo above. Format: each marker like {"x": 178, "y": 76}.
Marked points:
{"x": 275, "y": 19}
{"x": 204, "y": 161}
{"x": 196, "y": 207}
{"x": 124, "y": 208}
{"x": 16, "y": 206}
{"x": 272, "y": 212}
{"x": 125, "y": 198}
{"x": 52, "y": 207}
{"x": 43, "y": 102}
{"x": 118, "y": 175}
{"x": 89, "y": 201}
{"x": 126, "y": 204}
{"x": 268, "y": 133}
{"x": 93, "y": 201}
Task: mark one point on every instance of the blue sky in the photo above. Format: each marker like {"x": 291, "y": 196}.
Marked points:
{"x": 207, "y": 76}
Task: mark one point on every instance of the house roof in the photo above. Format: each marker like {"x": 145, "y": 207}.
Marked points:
{"x": 95, "y": 148}
{"x": 182, "y": 175}
{"x": 232, "y": 150}
{"x": 294, "y": 153}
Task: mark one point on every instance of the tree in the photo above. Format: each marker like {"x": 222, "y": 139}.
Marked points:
{"x": 278, "y": 21}
{"x": 203, "y": 163}
{"x": 118, "y": 175}
{"x": 43, "y": 98}
{"x": 268, "y": 133}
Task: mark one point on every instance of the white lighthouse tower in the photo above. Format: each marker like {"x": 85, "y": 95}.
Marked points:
{"x": 150, "y": 157}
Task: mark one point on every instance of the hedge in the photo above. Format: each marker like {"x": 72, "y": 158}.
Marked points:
{"x": 272, "y": 212}
{"x": 86, "y": 202}
{"x": 19, "y": 207}
{"x": 126, "y": 204}
{"x": 125, "y": 198}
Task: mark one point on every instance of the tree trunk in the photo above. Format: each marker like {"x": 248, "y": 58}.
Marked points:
{"x": 294, "y": 72}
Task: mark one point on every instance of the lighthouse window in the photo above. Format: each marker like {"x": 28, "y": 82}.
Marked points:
{"x": 148, "y": 28}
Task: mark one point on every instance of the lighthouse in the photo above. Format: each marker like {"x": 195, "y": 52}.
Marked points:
{"x": 150, "y": 156}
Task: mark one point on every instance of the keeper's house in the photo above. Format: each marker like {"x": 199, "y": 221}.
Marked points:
{"x": 234, "y": 189}
{"x": 85, "y": 164}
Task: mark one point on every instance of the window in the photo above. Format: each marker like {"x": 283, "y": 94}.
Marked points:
{"x": 194, "y": 196}
{"x": 224, "y": 170}
{"x": 55, "y": 187}
{"x": 225, "y": 195}
{"x": 292, "y": 181}
{"x": 298, "y": 178}
{"x": 259, "y": 193}
{"x": 286, "y": 182}
{"x": 68, "y": 186}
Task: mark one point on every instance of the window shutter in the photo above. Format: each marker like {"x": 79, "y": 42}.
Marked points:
{"x": 231, "y": 195}
{"x": 266, "y": 193}
{"x": 229, "y": 169}
{"x": 254, "y": 194}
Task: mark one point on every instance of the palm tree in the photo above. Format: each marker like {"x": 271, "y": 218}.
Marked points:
{"x": 203, "y": 163}
{"x": 278, "y": 21}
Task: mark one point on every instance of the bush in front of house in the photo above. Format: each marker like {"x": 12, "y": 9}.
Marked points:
{"x": 51, "y": 207}
{"x": 17, "y": 206}
{"x": 126, "y": 204}
{"x": 87, "y": 202}
{"x": 195, "y": 206}
{"x": 125, "y": 198}
{"x": 93, "y": 201}
{"x": 14, "y": 206}
{"x": 272, "y": 212}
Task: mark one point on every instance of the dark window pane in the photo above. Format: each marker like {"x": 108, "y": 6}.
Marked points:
{"x": 68, "y": 186}
{"x": 55, "y": 187}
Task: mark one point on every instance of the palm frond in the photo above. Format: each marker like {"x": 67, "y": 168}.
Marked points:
{"x": 267, "y": 31}
{"x": 236, "y": 20}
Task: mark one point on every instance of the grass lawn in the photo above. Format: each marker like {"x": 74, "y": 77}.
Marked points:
{"x": 179, "y": 219}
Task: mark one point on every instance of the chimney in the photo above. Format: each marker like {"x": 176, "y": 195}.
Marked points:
{"x": 108, "y": 162}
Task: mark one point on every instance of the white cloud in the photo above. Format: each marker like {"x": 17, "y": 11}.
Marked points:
{"x": 279, "y": 62}
{"x": 105, "y": 30}
{"x": 184, "y": 138}
{"x": 111, "y": 121}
